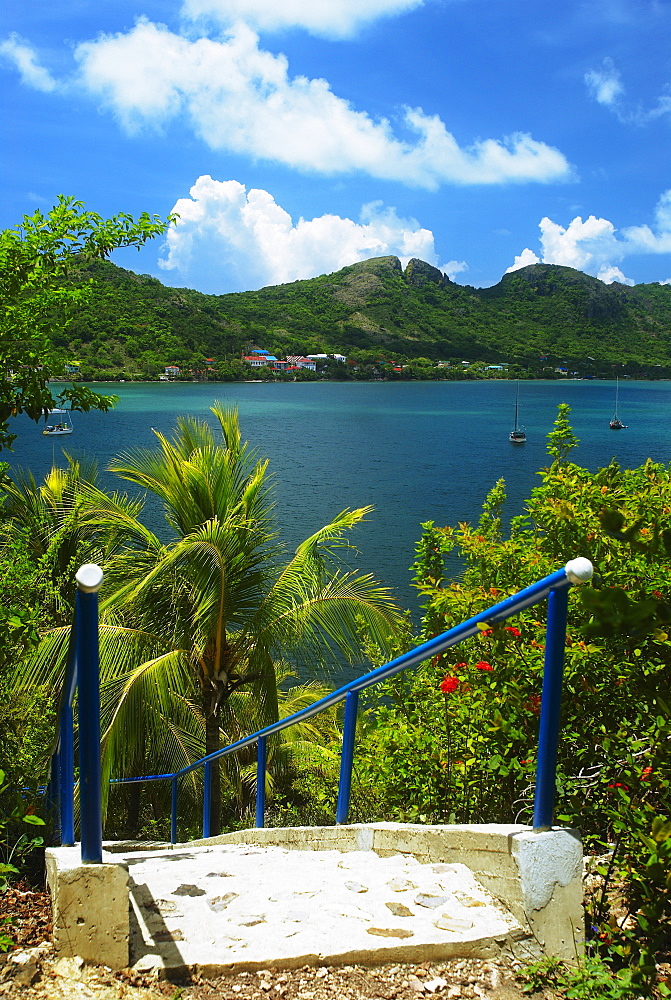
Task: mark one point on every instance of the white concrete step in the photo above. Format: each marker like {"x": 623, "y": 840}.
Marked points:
{"x": 240, "y": 906}
{"x": 359, "y": 893}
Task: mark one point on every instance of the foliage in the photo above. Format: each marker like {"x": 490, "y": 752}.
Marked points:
{"x": 26, "y": 722}
{"x": 19, "y": 614}
{"x": 14, "y": 812}
{"x": 36, "y": 302}
{"x": 16, "y": 845}
{"x": 592, "y": 979}
{"x": 536, "y": 319}
{"x": 42, "y": 522}
{"x": 456, "y": 740}
{"x": 197, "y": 633}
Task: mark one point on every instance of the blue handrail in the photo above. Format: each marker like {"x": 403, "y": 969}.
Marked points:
{"x": 60, "y": 790}
{"x": 554, "y": 587}
{"x": 81, "y": 671}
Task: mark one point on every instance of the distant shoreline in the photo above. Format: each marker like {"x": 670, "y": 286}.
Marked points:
{"x": 353, "y": 381}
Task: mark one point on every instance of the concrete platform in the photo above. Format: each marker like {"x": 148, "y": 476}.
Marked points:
{"x": 368, "y": 893}
{"x": 226, "y": 908}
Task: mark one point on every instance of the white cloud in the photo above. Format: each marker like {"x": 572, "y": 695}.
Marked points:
{"x": 523, "y": 260}
{"x": 605, "y": 85}
{"x": 645, "y": 239}
{"x": 583, "y": 245}
{"x": 588, "y": 245}
{"x": 24, "y": 58}
{"x": 329, "y": 18}
{"x": 454, "y": 267}
{"x": 240, "y": 239}
{"x": 609, "y": 274}
{"x": 595, "y": 246}
{"x": 241, "y": 99}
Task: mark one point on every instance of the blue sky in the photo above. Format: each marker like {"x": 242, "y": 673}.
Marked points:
{"x": 294, "y": 137}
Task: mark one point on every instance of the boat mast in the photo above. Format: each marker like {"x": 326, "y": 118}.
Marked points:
{"x": 617, "y": 394}
{"x": 517, "y": 403}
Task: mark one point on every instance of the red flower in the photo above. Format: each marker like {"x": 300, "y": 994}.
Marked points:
{"x": 483, "y": 665}
{"x": 534, "y": 704}
{"x": 513, "y": 631}
{"x": 449, "y": 684}
{"x": 459, "y": 666}
{"x": 645, "y": 774}
{"x": 485, "y": 632}
{"x": 618, "y": 784}
{"x": 658, "y": 595}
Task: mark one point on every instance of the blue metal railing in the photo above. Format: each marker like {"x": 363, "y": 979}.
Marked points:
{"x": 81, "y": 672}
{"x": 554, "y": 587}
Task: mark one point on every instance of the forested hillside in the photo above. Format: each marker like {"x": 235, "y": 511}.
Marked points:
{"x": 540, "y": 314}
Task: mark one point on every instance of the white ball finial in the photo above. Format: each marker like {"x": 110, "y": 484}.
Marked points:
{"x": 89, "y": 578}
{"x": 579, "y": 570}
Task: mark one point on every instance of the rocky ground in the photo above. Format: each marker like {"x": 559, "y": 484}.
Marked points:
{"x": 31, "y": 970}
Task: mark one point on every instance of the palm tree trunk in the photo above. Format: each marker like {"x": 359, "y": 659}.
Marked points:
{"x": 212, "y": 744}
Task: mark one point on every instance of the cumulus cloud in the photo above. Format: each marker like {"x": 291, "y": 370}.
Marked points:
{"x": 595, "y": 246}
{"x": 242, "y": 99}
{"x": 523, "y": 260}
{"x": 24, "y": 58}
{"x": 611, "y": 273}
{"x": 240, "y": 239}
{"x": 329, "y": 18}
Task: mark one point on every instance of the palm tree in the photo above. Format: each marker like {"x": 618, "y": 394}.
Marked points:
{"x": 190, "y": 622}
{"x": 44, "y": 519}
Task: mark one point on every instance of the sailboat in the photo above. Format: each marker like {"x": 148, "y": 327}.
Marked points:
{"x": 59, "y": 421}
{"x": 517, "y": 435}
{"x": 615, "y": 422}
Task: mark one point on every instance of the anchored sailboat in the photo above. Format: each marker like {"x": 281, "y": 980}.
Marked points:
{"x": 517, "y": 435}
{"x": 59, "y": 422}
{"x": 615, "y": 422}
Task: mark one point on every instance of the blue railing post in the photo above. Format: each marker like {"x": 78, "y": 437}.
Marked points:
{"x": 207, "y": 802}
{"x": 66, "y": 775}
{"x": 261, "y": 781}
{"x": 89, "y": 580}
{"x": 347, "y": 756}
{"x": 64, "y": 759}
{"x": 54, "y": 795}
{"x": 578, "y": 571}
{"x": 173, "y": 810}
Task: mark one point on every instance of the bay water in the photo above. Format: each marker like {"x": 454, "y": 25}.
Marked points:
{"x": 416, "y": 451}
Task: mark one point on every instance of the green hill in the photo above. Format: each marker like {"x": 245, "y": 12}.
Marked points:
{"x": 133, "y": 323}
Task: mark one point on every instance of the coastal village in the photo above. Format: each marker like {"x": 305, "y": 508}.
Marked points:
{"x": 258, "y": 358}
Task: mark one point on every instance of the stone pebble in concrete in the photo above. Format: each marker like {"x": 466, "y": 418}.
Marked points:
{"x": 231, "y": 907}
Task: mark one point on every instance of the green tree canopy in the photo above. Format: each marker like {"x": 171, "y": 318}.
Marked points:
{"x": 35, "y": 258}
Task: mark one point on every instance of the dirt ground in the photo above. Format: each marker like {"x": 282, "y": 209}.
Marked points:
{"x": 32, "y": 971}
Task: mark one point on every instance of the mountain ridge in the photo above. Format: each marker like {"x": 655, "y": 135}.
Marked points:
{"x": 376, "y": 305}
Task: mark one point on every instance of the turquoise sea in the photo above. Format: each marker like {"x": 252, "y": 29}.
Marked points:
{"x": 417, "y": 451}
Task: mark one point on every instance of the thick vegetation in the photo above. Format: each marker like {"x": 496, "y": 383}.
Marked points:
{"x": 454, "y": 741}
{"x": 538, "y": 317}
{"x": 198, "y": 633}
{"x": 37, "y": 299}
